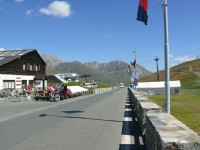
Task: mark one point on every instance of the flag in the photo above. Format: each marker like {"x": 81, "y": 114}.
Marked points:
{"x": 134, "y": 63}
{"x": 142, "y": 11}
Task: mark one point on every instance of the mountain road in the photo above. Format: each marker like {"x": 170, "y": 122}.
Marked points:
{"x": 86, "y": 122}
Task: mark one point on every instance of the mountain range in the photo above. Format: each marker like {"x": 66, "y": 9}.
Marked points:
{"x": 113, "y": 72}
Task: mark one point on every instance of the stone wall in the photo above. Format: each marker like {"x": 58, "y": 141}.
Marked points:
{"x": 162, "y": 131}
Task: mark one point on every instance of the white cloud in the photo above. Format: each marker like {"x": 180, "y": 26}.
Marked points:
{"x": 1, "y": 49}
{"x": 58, "y": 9}
{"x": 28, "y": 12}
{"x": 18, "y": 1}
{"x": 175, "y": 60}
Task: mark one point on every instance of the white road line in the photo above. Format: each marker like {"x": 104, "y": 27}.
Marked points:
{"x": 31, "y": 111}
{"x": 127, "y": 119}
{"x": 127, "y": 109}
{"x": 128, "y": 104}
{"x": 128, "y": 139}
{"x": 27, "y": 112}
{"x": 4, "y": 119}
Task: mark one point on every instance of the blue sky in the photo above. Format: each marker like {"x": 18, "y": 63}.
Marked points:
{"x": 101, "y": 30}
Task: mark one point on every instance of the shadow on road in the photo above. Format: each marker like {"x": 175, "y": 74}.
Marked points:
{"x": 132, "y": 138}
{"x": 73, "y": 111}
{"x": 73, "y": 115}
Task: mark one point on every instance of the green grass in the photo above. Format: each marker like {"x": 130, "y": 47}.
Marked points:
{"x": 184, "y": 106}
{"x": 185, "y": 72}
{"x": 102, "y": 85}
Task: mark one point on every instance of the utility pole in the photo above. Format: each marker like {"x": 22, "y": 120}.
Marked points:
{"x": 167, "y": 71}
{"x": 157, "y": 59}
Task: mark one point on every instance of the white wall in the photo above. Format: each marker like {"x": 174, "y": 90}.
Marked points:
{"x": 17, "y": 78}
{"x": 158, "y": 87}
{"x": 160, "y": 84}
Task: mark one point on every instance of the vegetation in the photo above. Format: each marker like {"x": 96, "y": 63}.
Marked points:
{"x": 103, "y": 85}
{"x": 186, "y": 105}
{"x": 74, "y": 83}
{"x": 187, "y": 73}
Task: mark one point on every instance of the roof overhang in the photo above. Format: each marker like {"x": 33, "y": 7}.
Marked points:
{"x": 40, "y": 77}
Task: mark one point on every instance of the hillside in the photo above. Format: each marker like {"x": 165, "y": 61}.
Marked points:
{"x": 51, "y": 60}
{"x": 116, "y": 66}
{"x": 188, "y": 73}
{"x": 111, "y": 73}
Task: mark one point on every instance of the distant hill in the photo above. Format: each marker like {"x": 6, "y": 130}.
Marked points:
{"x": 51, "y": 60}
{"x": 188, "y": 73}
{"x": 111, "y": 73}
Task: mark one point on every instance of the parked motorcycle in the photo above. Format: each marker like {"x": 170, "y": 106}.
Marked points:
{"x": 54, "y": 96}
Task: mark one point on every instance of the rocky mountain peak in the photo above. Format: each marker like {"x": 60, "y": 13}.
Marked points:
{"x": 93, "y": 65}
{"x": 113, "y": 71}
{"x": 51, "y": 60}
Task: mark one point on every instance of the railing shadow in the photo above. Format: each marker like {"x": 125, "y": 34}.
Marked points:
{"x": 131, "y": 129}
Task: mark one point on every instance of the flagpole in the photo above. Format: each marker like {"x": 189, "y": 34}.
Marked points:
{"x": 135, "y": 54}
{"x": 133, "y": 75}
{"x": 167, "y": 71}
{"x": 133, "y": 78}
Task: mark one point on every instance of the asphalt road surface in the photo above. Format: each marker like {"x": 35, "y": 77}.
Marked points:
{"x": 84, "y": 123}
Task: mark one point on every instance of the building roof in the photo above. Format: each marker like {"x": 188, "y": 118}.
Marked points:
{"x": 68, "y": 75}
{"x": 7, "y": 56}
{"x": 40, "y": 77}
{"x": 59, "y": 78}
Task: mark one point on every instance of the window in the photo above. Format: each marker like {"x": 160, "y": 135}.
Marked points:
{"x": 38, "y": 67}
{"x": 31, "y": 67}
{"x": 24, "y": 67}
{"x": 27, "y": 66}
{"x": 8, "y": 84}
{"x": 34, "y": 67}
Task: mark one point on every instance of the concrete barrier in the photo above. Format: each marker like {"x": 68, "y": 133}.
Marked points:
{"x": 162, "y": 131}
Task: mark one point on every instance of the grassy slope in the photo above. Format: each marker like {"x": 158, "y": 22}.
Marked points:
{"x": 185, "y": 72}
{"x": 186, "y": 105}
